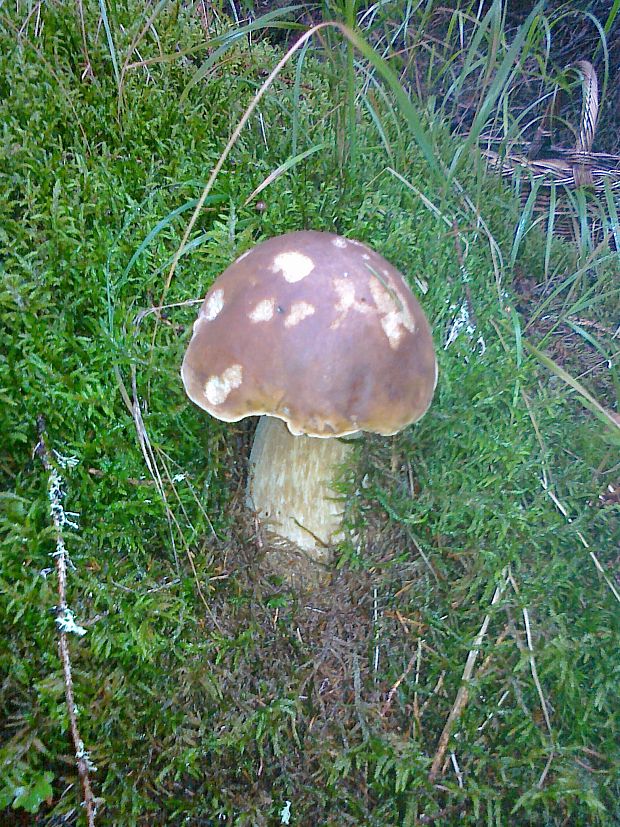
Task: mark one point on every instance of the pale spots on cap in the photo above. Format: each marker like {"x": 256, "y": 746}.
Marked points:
{"x": 298, "y": 312}
{"x": 242, "y": 256}
{"x": 293, "y": 266}
{"x": 263, "y": 311}
{"x": 395, "y": 315}
{"x": 392, "y": 328}
{"x": 339, "y": 242}
{"x": 213, "y": 305}
{"x": 345, "y": 290}
{"x": 346, "y": 295}
{"x": 218, "y": 388}
{"x": 226, "y": 372}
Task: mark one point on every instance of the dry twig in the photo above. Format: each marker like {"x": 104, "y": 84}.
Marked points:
{"x": 65, "y": 620}
{"x": 392, "y": 692}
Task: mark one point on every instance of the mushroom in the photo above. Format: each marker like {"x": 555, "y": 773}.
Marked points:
{"x": 322, "y": 338}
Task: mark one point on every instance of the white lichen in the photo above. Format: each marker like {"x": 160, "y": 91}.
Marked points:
{"x": 82, "y": 755}
{"x": 285, "y": 813}
{"x": 65, "y": 462}
{"x": 65, "y": 620}
{"x": 463, "y": 322}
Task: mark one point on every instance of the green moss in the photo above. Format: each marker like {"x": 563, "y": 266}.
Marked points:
{"x": 211, "y": 694}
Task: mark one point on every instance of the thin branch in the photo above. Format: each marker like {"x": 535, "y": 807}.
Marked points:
{"x": 393, "y": 690}
{"x": 65, "y": 620}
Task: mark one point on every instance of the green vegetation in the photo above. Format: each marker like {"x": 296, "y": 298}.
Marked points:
{"x": 205, "y": 693}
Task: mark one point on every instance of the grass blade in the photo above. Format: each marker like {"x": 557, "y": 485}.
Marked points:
{"x": 488, "y": 105}
{"x": 407, "y": 109}
{"x": 588, "y": 337}
{"x": 586, "y": 396}
{"x": 550, "y": 225}
{"x": 525, "y": 219}
{"x": 269, "y": 20}
{"x": 378, "y": 125}
{"x": 351, "y": 77}
{"x": 297, "y": 95}
{"x": 612, "y": 212}
{"x": 110, "y": 39}
{"x": 165, "y": 222}
{"x": 273, "y": 176}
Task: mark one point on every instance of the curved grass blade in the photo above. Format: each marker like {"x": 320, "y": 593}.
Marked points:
{"x": 297, "y": 95}
{"x": 349, "y": 7}
{"x": 184, "y": 250}
{"x": 161, "y": 225}
{"x": 516, "y": 324}
{"x": 563, "y": 285}
{"x": 582, "y": 213}
{"x": 426, "y": 201}
{"x": 594, "y": 342}
{"x": 613, "y": 13}
{"x": 612, "y": 212}
{"x": 526, "y": 217}
{"x": 378, "y": 125}
{"x": 472, "y": 57}
{"x": 585, "y": 395}
{"x": 288, "y": 164}
{"x": 141, "y": 33}
{"x": 407, "y": 109}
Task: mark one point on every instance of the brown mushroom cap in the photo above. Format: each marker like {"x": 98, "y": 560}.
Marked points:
{"x": 317, "y": 330}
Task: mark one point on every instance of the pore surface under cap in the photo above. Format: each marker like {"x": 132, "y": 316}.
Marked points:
{"x": 317, "y": 330}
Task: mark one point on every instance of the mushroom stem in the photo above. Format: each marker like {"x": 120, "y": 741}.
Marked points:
{"x": 289, "y": 490}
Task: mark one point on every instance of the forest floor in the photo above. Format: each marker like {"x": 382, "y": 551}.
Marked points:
{"x": 460, "y": 667}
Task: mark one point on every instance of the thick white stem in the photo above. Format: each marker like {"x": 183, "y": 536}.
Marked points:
{"x": 289, "y": 488}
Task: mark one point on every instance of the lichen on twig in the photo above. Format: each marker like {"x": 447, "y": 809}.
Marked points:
{"x": 65, "y": 620}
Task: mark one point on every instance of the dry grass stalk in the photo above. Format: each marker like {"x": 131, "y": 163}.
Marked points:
{"x": 533, "y": 669}
{"x": 462, "y": 696}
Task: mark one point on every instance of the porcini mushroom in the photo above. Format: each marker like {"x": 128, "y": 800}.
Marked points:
{"x": 321, "y": 337}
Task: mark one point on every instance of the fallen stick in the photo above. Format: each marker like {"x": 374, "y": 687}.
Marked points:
{"x": 65, "y": 620}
